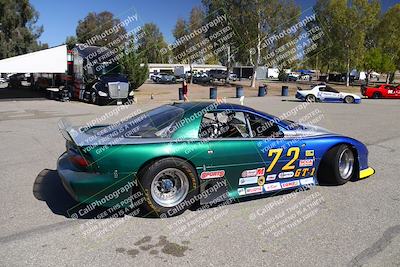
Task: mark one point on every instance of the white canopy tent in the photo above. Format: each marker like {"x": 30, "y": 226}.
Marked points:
{"x": 52, "y": 60}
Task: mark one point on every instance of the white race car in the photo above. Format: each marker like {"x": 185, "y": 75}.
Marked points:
{"x": 325, "y": 93}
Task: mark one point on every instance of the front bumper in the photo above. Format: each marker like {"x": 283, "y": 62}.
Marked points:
{"x": 366, "y": 173}
{"x": 299, "y": 96}
{"x": 86, "y": 187}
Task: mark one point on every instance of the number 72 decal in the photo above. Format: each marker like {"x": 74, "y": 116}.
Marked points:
{"x": 293, "y": 152}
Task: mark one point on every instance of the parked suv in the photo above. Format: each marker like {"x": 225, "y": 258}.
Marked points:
{"x": 218, "y": 74}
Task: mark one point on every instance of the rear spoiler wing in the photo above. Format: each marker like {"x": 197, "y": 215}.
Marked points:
{"x": 67, "y": 131}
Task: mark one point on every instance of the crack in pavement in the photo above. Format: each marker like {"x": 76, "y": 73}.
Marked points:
{"x": 377, "y": 247}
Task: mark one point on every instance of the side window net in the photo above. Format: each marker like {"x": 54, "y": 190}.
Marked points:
{"x": 224, "y": 125}
{"x": 261, "y": 127}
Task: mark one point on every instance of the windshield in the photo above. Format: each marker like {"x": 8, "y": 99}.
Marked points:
{"x": 289, "y": 124}
{"x": 156, "y": 123}
{"x": 330, "y": 89}
{"x": 292, "y": 125}
{"x": 107, "y": 68}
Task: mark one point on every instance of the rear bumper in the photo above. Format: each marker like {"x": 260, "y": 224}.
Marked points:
{"x": 366, "y": 172}
{"x": 87, "y": 187}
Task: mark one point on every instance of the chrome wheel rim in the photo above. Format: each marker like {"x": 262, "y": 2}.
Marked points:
{"x": 346, "y": 163}
{"x": 169, "y": 187}
{"x": 311, "y": 98}
{"x": 93, "y": 97}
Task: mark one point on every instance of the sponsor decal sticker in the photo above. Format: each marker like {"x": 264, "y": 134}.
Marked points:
{"x": 253, "y": 190}
{"x": 255, "y": 172}
{"x": 241, "y": 191}
{"x": 261, "y": 180}
{"x": 306, "y": 163}
{"x": 260, "y": 171}
{"x": 309, "y": 153}
{"x": 271, "y": 177}
{"x": 272, "y": 187}
{"x": 285, "y": 175}
{"x": 212, "y": 174}
{"x": 307, "y": 181}
{"x": 248, "y": 180}
{"x": 290, "y": 184}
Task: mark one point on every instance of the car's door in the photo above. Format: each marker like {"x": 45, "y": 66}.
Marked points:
{"x": 327, "y": 93}
{"x": 250, "y": 152}
{"x": 392, "y": 91}
{"x": 232, "y": 151}
{"x": 288, "y": 161}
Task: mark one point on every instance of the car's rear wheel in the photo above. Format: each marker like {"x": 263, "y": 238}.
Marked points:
{"x": 311, "y": 98}
{"x": 337, "y": 165}
{"x": 349, "y": 99}
{"x": 376, "y": 95}
{"x": 169, "y": 186}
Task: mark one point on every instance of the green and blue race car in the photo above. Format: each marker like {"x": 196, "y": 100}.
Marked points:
{"x": 182, "y": 154}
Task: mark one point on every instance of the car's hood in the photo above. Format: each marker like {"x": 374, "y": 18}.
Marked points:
{"x": 348, "y": 94}
{"x": 307, "y": 130}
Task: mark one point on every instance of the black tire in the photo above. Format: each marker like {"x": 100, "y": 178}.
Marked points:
{"x": 349, "y": 99}
{"x": 376, "y": 95}
{"x": 329, "y": 171}
{"x": 311, "y": 98}
{"x": 147, "y": 176}
{"x": 93, "y": 98}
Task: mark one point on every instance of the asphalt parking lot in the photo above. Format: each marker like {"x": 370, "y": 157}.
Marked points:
{"x": 355, "y": 224}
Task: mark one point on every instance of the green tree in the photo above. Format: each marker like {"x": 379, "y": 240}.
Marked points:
{"x": 254, "y": 21}
{"x": 179, "y": 50}
{"x": 196, "y": 21}
{"x": 134, "y": 65}
{"x": 388, "y": 36}
{"x": 377, "y": 60}
{"x": 18, "y": 30}
{"x": 152, "y": 44}
{"x": 71, "y": 41}
{"x": 188, "y": 46}
{"x": 100, "y": 29}
{"x": 348, "y": 28}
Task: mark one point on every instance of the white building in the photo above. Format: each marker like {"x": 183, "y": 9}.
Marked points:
{"x": 183, "y": 68}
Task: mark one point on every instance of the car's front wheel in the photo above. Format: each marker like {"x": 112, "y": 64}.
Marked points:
{"x": 337, "y": 165}
{"x": 349, "y": 99}
{"x": 169, "y": 186}
{"x": 93, "y": 98}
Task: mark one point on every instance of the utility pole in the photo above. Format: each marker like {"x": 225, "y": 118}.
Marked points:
{"x": 228, "y": 67}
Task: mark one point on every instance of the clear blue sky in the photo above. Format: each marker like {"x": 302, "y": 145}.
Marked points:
{"x": 61, "y": 17}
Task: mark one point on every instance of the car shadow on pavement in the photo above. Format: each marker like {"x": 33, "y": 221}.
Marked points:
{"x": 49, "y": 188}
{"x": 292, "y": 100}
